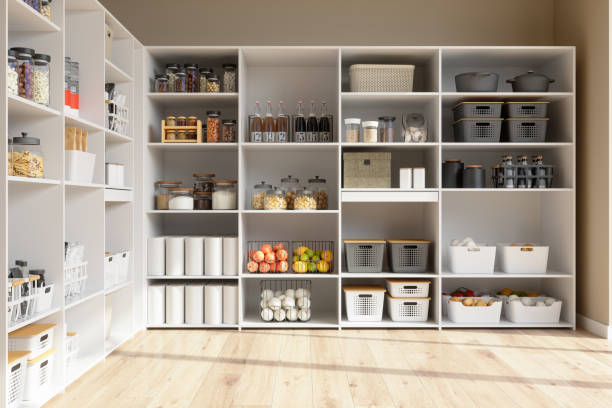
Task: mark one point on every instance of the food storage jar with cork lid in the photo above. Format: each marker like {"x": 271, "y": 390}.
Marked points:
{"x": 224, "y": 195}
{"x": 27, "y": 157}
{"x": 161, "y": 193}
{"x": 203, "y": 182}
{"x": 385, "y": 129}
{"x": 319, "y": 187}
{"x": 290, "y": 185}
{"x": 258, "y": 195}
{"x": 275, "y": 200}
{"x": 181, "y": 198}
{"x": 474, "y": 176}
{"x": 202, "y": 200}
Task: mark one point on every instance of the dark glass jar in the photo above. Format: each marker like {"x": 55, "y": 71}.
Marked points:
{"x": 202, "y": 200}
{"x": 193, "y": 77}
{"x": 203, "y": 182}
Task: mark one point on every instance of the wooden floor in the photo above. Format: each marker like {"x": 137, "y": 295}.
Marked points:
{"x": 351, "y": 368}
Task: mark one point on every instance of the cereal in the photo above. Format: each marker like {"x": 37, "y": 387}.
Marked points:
{"x": 41, "y": 86}
{"x": 26, "y": 164}
{"x": 12, "y": 81}
{"x": 305, "y": 202}
{"x": 275, "y": 202}
{"x": 257, "y": 202}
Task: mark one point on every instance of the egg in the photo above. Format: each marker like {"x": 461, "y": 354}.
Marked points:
{"x": 471, "y": 244}
{"x": 263, "y": 303}
{"x": 304, "y": 315}
{"x": 267, "y": 314}
{"x": 274, "y": 303}
{"x": 267, "y": 294}
{"x": 540, "y": 303}
{"x": 303, "y": 303}
{"x": 549, "y": 301}
{"x": 288, "y": 302}
{"x": 527, "y": 301}
{"x": 302, "y": 292}
{"x": 278, "y": 293}
{"x": 282, "y": 297}
{"x": 290, "y": 293}
{"x": 292, "y": 314}
{"x": 279, "y": 315}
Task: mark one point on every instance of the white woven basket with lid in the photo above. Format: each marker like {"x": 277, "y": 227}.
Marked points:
{"x": 381, "y": 78}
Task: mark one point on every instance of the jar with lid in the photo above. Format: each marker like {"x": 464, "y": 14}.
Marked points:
{"x": 202, "y": 200}
{"x": 180, "y": 84}
{"x": 35, "y": 4}
{"x": 193, "y": 77}
{"x": 192, "y": 121}
{"x": 351, "y": 130}
{"x": 181, "y": 121}
{"x": 204, "y": 73}
{"x": 319, "y": 188}
{"x": 181, "y": 135}
{"x": 229, "y": 78}
{"x": 170, "y": 120}
{"x": 305, "y": 200}
{"x": 192, "y": 134}
{"x": 229, "y": 131}
{"x": 474, "y": 176}
{"x": 45, "y": 8}
{"x": 12, "y": 74}
{"x": 161, "y": 193}
{"x": 290, "y": 185}
{"x": 224, "y": 195}
{"x": 385, "y": 129}
{"x": 170, "y": 134}
{"x": 40, "y": 75}
{"x": 259, "y": 194}
{"x": 171, "y": 73}
{"x": 180, "y": 198}
{"x": 370, "y": 131}
{"x": 25, "y": 64}
{"x": 203, "y": 182}
{"x": 275, "y": 200}
{"x": 414, "y": 128}
{"x": 213, "y": 126}
{"x": 27, "y": 157}
{"x": 452, "y": 173}
{"x": 212, "y": 84}
{"x": 161, "y": 83}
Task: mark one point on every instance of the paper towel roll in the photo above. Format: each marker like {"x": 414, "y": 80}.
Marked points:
{"x": 213, "y": 303}
{"x": 156, "y": 304}
{"x": 175, "y": 304}
{"x": 194, "y": 256}
{"x": 213, "y": 256}
{"x": 230, "y": 304}
{"x": 194, "y": 304}
{"x": 175, "y": 256}
{"x": 156, "y": 256}
{"x": 230, "y": 256}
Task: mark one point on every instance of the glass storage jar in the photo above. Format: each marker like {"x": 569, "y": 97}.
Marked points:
{"x": 203, "y": 182}
{"x": 45, "y": 8}
{"x": 170, "y": 134}
{"x": 181, "y": 121}
{"x": 161, "y": 193}
{"x": 414, "y": 128}
{"x": 171, "y": 72}
{"x": 180, "y": 198}
{"x": 192, "y": 134}
{"x": 27, "y": 157}
{"x": 170, "y": 120}
{"x": 229, "y": 131}
{"x": 224, "y": 195}
{"x": 305, "y": 200}
{"x": 12, "y": 74}
{"x": 10, "y": 157}
{"x": 35, "y": 4}
{"x": 192, "y": 121}
{"x": 180, "y": 84}
{"x": 351, "y": 130}
{"x": 24, "y": 63}
{"x": 213, "y": 126}
{"x": 385, "y": 129}
{"x": 289, "y": 185}
{"x": 161, "y": 83}
{"x": 319, "y": 188}
{"x": 212, "y": 84}
{"x": 40, "y": 79}
{"x": 259, "y": 194}
{"x": 181, "y": 135}
{"x": 193, "y": 77}
{"x": 370, "y": 131}
{"x": 275, "y": 200}
{"x": 204, "y": 73}
{"x": 229, "y": 78}
{"x": 202, "y": 200}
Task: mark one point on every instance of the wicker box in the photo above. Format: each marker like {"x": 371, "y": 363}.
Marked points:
{"x": 381, "y": 78}
{"x": 367, "y": 170}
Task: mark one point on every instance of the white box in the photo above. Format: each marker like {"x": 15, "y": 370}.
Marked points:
{"x": 522, "y": 259}
{"x": 418, "y": 178}
{"x": 516, "y": 312}
{"x": 405, "y": 178}
{"x": 80, "y": 166}
{"x": 38, "y": 375}
{"x": 110, "y": 270}
{"x": 115, "y": 174}
{"x": 458, "y": 313}
{"x": 480, "y": 259}
{"x": 407, "y": 309}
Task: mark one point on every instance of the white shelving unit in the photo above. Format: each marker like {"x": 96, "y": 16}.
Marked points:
{"x": 291, "y": 74}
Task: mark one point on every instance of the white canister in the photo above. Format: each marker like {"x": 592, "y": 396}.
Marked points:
{"x": 194, "y": 256}
{"x": 213, "y": 256}
{"x": 156, "y": 256}
{"x": 213, "y": 308}
{"x": 230, "y": 304}
{"x": 230, "y": 256}
{"x": 418, "y": 177}
{"x": 175, "y": 256}
{"x": 194, "y": 304}
{"x": 115, "y": 174}
{"x": 156, "y": 304}
{"x": 405, "y": 178}
{"x": 175, "y": 304}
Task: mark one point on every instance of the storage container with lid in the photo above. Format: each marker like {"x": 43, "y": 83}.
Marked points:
{"x": 161, "y": 84}
{"x": 364, "y": 255}
{"x": 170, "y": 120}
{"x": 45, "y": 8}
{"x": 212, "y": 84}
{"x": 181, "y": 121}
{"x": 474, "y": 176}
{"x": 161, "y": 193}
{"x": 170, "y": 134}
{"x": 367, "y": 169}
{"x": 204, "y": 73}
{"x": 213, "y": 126}
{"x": 229, "y": 78}
{"x": 27, "y": 158}
{"x": 15, "y": 377}
{"x": 12, "y": 74}
{"x": 229, "y": 131}
{"x": 414, "y": 309}
{"x": 203, "y": 182}
{"x": 319, "y": 187}
{"x": 385, "y": 129}
{"x": 35, "y": 338}
{"x": 258, "y": 195}
{"x": 364, "y": 303}
{"x": 171, "y": 73}
{"x": 352, "y": 127}
{"x": 408, "y": 255}
{"x": 192, "y": 134}
{"x": 224, "y": 195}
{"x": 192, "y": 121}
{"x": 275, "y": 199}
{"x": 180, "y": 84}
{"x": 25, "y": 64}
{"x": 180, "y": 198}
{"x": 181, "y": 135}
{"x": 452, "y": 173}
{"x": 289, "y": 185}
{"x": 370, "y": 131}
{"x": 193, "y": 77}
{"x": 202, "y": 200}
{"x": 305, "y": 200}
{"x": 414, "y": 128}
{"x": 39, "y": 375}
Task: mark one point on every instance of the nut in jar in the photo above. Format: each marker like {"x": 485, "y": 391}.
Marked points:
{"x": 318, "y": 187}
{"x": 305, "y": 200}
{"x": 275, "y": 200}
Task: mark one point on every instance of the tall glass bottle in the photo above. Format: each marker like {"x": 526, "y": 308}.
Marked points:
{"x": 256, "y": 125}
{"x": 312, "y": 127}
{"x": 282, "y": 125}
{"x": 299, "y": 131}
{"x": 324, "y": 125}
{"x": 269, "y": 127}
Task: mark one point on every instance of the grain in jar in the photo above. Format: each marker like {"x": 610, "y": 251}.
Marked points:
{"x": 385, "y": 129}
{"x": 351, "y": 130}
{"x": 161, "y": 83}
{"x": 275, "y": 200}
{"x": 170, "y": 120}
{"x": 370, "y": 131}
{"x": 213, "y": 126}
{"x": 204, "y": 73}
{"x": 170, "y": 134}
{"x": 289, "y": 185}
{"x": 181, "y": 198}
{"x": 319, "y": 188}
{"x": 12, "y": 75}
{"x": 259, "y": 194}
{"x": 229, "y": 78}
{"x": 171, "y": 73}
{"x": 193, "y": 78}
{"x": 224, "y": 195}
{"x": 181, "y": 135}
{"x": 304, "y": 200}
{"x": 212, "y": 84}
{"x": 229, "y": 131}
{"x": 161, "y": 193}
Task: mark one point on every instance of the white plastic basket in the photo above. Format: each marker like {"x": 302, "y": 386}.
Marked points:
{"x": 72, "y": 348}
{"x": 38, "y": 375}
{"x": 516, "y": 312}
{"x": 45, "y": 298}
{"x": 364, "y": 303}
{"x": 15, "y": 295}
{"x": 75, "y": 279}
{"x": 458, "y": 313}
{"x": 80, "y": 166}
{"x": 445, "y": 299}
{"x": 525, "y": 259}
{"x": 381, "y": 78}
{"x": 122, "y": 266}
{"x": 405, "y": 288}
{"x": 35, "y": 338}
{"x": 15, "y": 377}
{"x": 480, "y": 259}
{"x": 408, "y": 309}
{"x": 110, "y": 269}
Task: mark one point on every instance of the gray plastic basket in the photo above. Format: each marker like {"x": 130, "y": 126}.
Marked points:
{"x": 364, "y": 256}
{"x": 408, "y": 256}
{"x": 477, "y": 110}
{"x": 527, "y": 109}
{"x": 527, "y": 130}
{"x": 473, "y": 130}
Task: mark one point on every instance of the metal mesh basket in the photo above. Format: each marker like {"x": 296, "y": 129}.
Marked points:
{"x": 253, "y": 246}
{"x": 325, "y": 261}
{"x": 365, "y": 256}
{"x": 381, "y": 78}
{"x": 477, "y": 110}
{"x": 408, "y": 255}
{"x": 477, "y": 130}
{"x": 527, "y": 109}
{"x": 285, "y": 300}
{"x": 526, "y": 130}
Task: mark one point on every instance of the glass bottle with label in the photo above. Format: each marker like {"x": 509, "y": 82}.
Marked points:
{"x": 256, "y": 125}
{"x": 312, "y": 127}
{"x": 299, "y": 131}
{"x": 282, "y": 125}
{"x": 269, "y": 127}
{"x": 324, "y": 125}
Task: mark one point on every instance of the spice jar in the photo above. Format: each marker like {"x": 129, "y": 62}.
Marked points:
{"x": 161, "y": 83}
{"x": 212, "y": 84}
{"x": 259, "y": 194}
{"x": 318, "y": 187}
{"x": 180, "y": 84}
{"x": 229, "y": 78}
{"x": 192, "y": 121}
{"x": 202, "y": 200}
{"x": 27, "y": 158}
{"x": 275, "y": 200}
{"x": 193, "y": 77}
{"x": 229, "y": 131}
{"x": 289, "y": 185}
{"x": 161, "y": 193}
{"x": 351, "y": 130}
{"x": 385, "y": 129}
{"x": 12, "y": 74}
{"x": 213, "y": 126}
{"x": 24, "y": 64}
{"x": 181, "y": 121}
{"x": 224, "y": 195}
{"x": 170, "y": 134}
{"x": 192, "y": 134}
{"x": 181, "y": 135}
{"x": 45, "y": 8}
{"x": 171, "y": 73}
{"x": 204, "y": 73}
{"x": 304, "y": 200}
{"x": 370, "y": 131}
{"x": 181, "y": 198}
{"x": 203, "y": 182}
{"x": 170, "y": 120}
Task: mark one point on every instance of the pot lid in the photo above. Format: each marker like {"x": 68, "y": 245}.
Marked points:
{"x": 317, "y": 180}
{"x": 26, "y": 140}
{"x": 289, "y": 179}
{"x": 532, "y": 74}
{"x": 262, "y": 185}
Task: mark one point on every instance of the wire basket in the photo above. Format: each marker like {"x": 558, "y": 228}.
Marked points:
{"x": 321, "y": 260}
{"x": 258, "y": 260}
{"x": 365, "y": 256}
{"x": 477, "y": 110}
{"x": 285, "y": 300}
{"x": 75, "y": 278}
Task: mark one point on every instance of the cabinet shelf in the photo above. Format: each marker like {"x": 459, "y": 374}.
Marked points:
{"x": 22, "y": 17}
{"x": 112, "y": 73}
{"x": 20, "y": 108}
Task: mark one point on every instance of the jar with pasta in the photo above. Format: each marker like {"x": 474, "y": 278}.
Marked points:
{"x": 12, "y": 74}
{"x": 213, "y": 126}
{"x": 27, "y": 158}
{"x": 305, "y": 200}
{"x": 204, "y": 73}
{"x": 259, "y": 194}
{"x": 25, "y": 64}
{"x": 171, "y": 73}
{"x": 212, "y": 84}
{"x": 162, "y": 194}
{"x": 290, "y": 185}
{"x": 275, "y": 200}
{"x": 229, "y": 78}
{"x": 319, "y": 188}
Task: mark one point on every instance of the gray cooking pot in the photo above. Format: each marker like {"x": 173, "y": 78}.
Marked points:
{"x": 476, "y": 82}
{"x": 530, "y": 82}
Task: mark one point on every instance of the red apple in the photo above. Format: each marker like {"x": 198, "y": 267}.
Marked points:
{"x": 265, "y": 248}
{"x": 270, "y": 257}
{"x": 258, "y": 256}
{"x": 264, "y": 267}
{"x": 282, "y": 255}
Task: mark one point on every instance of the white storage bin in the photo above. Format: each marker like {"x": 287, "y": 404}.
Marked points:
{"x": 115, "y": 174}
{"x": 404, "y": 288}
{"x": 364, "y": 303}
{"x": 75, "y": 279}
{"x": 45, "y": 298}
{"x": 175, "y": 304}
{"x": 526, "y": 259}
{"x": 71, "y": 348}
{"x": 445, "y": 299}
{"x": 156, "y": 256}
{"x": 80, "y": 166}
{"x": 194, "y": 256}
{"x": 517, "y": 312}
{"x": 175, "y": 256}
{"x": 156, "y": 304}
{"x": 15, "y": 377}
{"x": 122, "y": 266}
{"x": 213, "y": 256}
{"x": 110, "y": 270}
{"x": 408, "y": 309}
{"x": 38, "y": 375}
{"x": 35, "y": 338}
{"x": 480, "y": 259}
{"x": 194, "y": 304}
{"x": 458, "y": 313}
{"x": 213, "y": 303}
{"x": 381, "y": 78}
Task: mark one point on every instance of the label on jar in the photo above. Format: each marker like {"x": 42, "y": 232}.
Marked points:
{"x": 256, "y": 137}
{"x": 268, "y": 137}
{"x": 312, "y": 137}
{"x": 324, "y": 137}
{"x": 300, "y": 137}
{"x": 282, "y": 137}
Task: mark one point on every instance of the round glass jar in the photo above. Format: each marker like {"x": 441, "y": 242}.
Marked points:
{"x": 192, "y": 121}
{"x": 171, "y": 72}
{"x": 212, "y": 84}
{"x": 203, "y": 182}
{"x": 224, "y": 195}
{"x": 181, "y": 121}
{"x": 275, "y": 200}
{"x": 45, "y": 8}
{"x": 204, "y": 73}
{"x": 161, "y": 83}
{"x": 181, "y": 135}
{"x": 170, "y": 120}
{"x": 25, "y": 64}
{"x": 229, "y": 78}
{"x": 229, "y": 131}
{"x": 319, "y": 188}
{"x": 213, "y": 126}
{"x": 258, "y": 195}
{"x": 170, "y": 134}
{"x": 180, "y": 84}
{"x": 180, "y": 198}
{"x": 202, "y": 200}
{"x": 385, "y": 129}
{"x": 289, "y": 185}
{"x": 12, "y": 74}
{"x": 192, "y": 134}
{"x": 161, "y": 193}
{"x": 370, "y": 131}
{"x": 352, "y": 126}
{"x": 27, "y": 158}
{"x": 305, "y": 200}
{"x": 193, "y": 77}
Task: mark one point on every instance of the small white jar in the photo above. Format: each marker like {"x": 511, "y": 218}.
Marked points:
{"x": 181, "y": 198}
{"x": 224, "y": 195}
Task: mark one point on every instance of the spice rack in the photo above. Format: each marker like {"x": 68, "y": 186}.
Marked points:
{"x": 165, "y": 128}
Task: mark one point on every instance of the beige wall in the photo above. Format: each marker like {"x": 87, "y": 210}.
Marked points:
{"x": 585, "y": 24}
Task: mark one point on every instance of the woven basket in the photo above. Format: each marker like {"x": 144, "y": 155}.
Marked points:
{"x": 367, "y": 170}
{"x": 381, "y": 78}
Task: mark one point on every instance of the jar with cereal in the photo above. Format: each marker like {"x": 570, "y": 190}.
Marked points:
{"x": 275, "y": 200}
{"x": 40, "y": 81}
{"x": 12, "y": 74}
{"x": 212, "y": 84}
{"x": 24, "y": 64}
{"x": 27, "y": 157}
{"x": 305, "y": 200}
{"x": 319, "y": 187}
{"x": 180, "y": 84}
{"x": 213, "y": 126}
{"x": 229, "y": 78}
{"x": 259, "y": 194}
{"x": 290, "y": 185}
